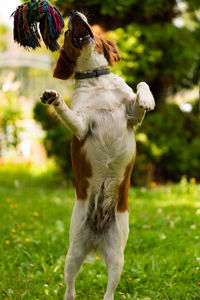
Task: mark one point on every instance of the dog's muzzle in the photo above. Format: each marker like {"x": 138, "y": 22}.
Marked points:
{"x": 81, "y": 32}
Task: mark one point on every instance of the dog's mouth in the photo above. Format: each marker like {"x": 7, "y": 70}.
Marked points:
{"x": 81, "y": 34}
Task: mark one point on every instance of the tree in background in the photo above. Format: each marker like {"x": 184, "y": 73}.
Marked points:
{"x": 153, "y": 45}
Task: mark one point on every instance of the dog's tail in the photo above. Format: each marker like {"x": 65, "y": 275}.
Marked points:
{"x": 101, "y": 210}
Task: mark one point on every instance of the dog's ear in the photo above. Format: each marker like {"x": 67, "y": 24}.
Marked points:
{"x": 64, "y": 67}
{"x": 111, "y": 51}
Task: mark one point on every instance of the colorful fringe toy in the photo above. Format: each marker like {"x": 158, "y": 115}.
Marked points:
{"x": 50, "y": 22}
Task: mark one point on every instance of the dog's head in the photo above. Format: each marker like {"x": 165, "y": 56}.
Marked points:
{"x": 80, "y": 37}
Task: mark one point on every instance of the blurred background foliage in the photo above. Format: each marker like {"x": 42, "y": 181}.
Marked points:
{"x": 3, "y": 32}
{"x": 57, "y": 138}
{"x": 9, "y": 113}
{"x": 158, "y": 42}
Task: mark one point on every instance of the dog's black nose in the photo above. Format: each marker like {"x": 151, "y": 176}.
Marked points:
{"x": 73, "y": 13}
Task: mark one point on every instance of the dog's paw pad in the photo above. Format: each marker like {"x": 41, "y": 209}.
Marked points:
{"x": 49, "y": 96}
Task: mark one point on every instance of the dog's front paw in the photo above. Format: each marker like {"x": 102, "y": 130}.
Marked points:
{"x": 144, "y": 97}
{"x": 50, "y": 97}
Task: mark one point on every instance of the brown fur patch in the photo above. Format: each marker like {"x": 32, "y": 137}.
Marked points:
{"x": 67, "y": 60}
{"x": 81, "y": 167}
{"x": 108, "y": 48}
{"x": 122, "y": 203}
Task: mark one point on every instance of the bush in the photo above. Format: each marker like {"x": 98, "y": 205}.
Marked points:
{"x": 168, "y": 144}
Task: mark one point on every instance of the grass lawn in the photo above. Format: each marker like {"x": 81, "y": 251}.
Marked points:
{"x": 162, "y": 257}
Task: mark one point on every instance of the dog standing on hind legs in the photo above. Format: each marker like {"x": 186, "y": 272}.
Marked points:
{"x": 102, "y": 115}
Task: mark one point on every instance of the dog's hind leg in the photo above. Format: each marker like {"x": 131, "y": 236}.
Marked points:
{"x": 75, "y": 256}
{"x": 113, "y": 252}
{"x": 114, "y": 258}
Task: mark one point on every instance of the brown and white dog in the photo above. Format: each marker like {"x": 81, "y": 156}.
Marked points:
{"x": 102, "y": 115}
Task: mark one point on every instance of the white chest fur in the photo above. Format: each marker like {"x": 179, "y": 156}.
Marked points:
{"x": 90, "y": 60}
{"x": 104, "y": 92}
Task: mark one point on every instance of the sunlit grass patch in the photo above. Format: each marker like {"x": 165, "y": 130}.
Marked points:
{"x": 162, "y": 257}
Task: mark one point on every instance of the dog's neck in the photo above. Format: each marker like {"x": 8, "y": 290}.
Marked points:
{"x": 90, "y": 60}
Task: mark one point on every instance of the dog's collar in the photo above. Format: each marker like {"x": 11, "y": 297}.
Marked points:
{"x": 95, "y": 73}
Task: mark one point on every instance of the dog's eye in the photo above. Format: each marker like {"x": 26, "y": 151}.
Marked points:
{"x": 66, "y": 32}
